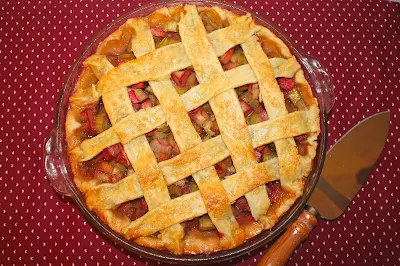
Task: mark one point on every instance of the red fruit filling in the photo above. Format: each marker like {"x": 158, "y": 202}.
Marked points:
{"x": 115, "y": 153}
{"x": 246, "y": 107}
{"x": 162, "y": 149}
{"x": 161, "y": 33}
{"x": 220, "y": 171}
{"x": 180, "y": 183}
{"x": 105, "y": 167}
{"x": 244, "y": 218}
{"x": 182, "y": 187}
{"x": 185, "y": 189}
{"x": 225, "y": 168}
{"x": 139, "y": 85}
{"x": 140, "y": 94}
{"x": 227, "y": 56}
{"x": 242, "y": 204}
{"x": 158, "y": 33}
{"x": 258, "y": 154}
{"x": 302, "y": 148}
{"x": 230, "y": 65}
{"x": 263, "y": 114}
{"x": 133, "y": 209}
{"x": 204, "y": 122}
{"x": 171, "y": 141}
{"x": 254, "y": 91}
{"x": 181, "y": 77}
{"x": 301, "y": 138}
{"x": 88, "y": 118}
{"x": 220, "y": 235}
{"x": 109, "y": 172}
{"x": 286, "y": 84}
{"x": 133, "y": 97}
{"x": 146, "y": 104}
{"x": 267, "y": 154}
{"x": 199, "y": 116}
{"x": 136, "y": 106}
{"x": 275, "y": 191}
{"x": 191, "y": 80}
{"x": 141, "y": 98}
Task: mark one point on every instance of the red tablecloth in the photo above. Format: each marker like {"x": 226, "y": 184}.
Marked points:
{"x": 358, "y": 42}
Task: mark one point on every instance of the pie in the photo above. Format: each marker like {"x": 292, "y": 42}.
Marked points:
{"x": 191, "y": 129}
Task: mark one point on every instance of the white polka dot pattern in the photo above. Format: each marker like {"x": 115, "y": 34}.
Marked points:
{"x": 358, "y": 42}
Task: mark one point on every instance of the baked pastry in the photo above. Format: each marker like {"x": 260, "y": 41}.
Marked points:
{"x": 191, "y": 129}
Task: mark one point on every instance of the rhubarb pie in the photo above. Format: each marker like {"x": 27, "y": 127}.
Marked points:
{"x": 191, "y": 129}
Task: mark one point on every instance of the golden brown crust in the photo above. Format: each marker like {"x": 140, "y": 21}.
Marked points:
{"x": 140, "y": 154}
{"x": 237, "y": 139}
{"x": 274, "y": 102}
{"x": 204, "y": 155}
{"x": 157, "y": 64}
{"x": 192, "y": 205}
{"x": 144, "y": 121}
{"x": 214, "y": 150}
{"x": 267, "y": 35}
{"x": 211, "y": 190}
{"x": 107, "y": 196}
{"x": 225, "y": 106}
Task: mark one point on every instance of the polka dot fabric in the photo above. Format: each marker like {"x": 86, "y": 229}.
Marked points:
{"x": 358, "y": 42}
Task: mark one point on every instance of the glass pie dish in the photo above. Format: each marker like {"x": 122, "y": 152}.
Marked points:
{"x": 59, "y": 169}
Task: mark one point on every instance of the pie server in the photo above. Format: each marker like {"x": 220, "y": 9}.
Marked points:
{"x": 347, "y": 166}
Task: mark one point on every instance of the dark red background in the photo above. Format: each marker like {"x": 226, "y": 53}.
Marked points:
{"x": 358, "y": 42}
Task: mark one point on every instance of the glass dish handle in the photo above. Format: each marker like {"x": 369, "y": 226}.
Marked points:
{"x": 54, "y": 165}
{"x": 323, "y": 82}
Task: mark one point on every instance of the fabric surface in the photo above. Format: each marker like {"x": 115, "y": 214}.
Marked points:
{"x": 357, "y": 41}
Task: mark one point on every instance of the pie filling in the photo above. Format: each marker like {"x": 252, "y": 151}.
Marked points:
{"x": 112, "y": 164}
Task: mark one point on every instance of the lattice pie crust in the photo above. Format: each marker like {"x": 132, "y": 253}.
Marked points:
{"x": 161, "y": 227}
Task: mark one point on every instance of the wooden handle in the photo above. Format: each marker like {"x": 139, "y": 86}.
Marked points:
{"x": 287, "y": 243}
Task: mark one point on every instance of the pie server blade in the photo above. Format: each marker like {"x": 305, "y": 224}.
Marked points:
{"x": 347, "y": 166}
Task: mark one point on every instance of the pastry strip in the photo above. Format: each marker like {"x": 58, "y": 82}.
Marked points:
{"x": 117, "y": 103}
{"x": 225, "y": 106}
{"x": 285, "y": 68}
{"x": 214, "y": 150}
{"x": 143, "y": 160}
{"x": 211, "y": 189}
{"x": 274, "y": 103}
{"x": 144, "y": 121}
{"x": 191, "y": 205}
{"x": 148, "y": 174}
{"x": 236, "y": 77}
{"x": 206, "y": 154}
{"x": 98, "y": 64}
{"x": 108, "y": 195}
{"x": 157, "y": 64}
